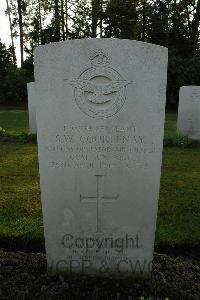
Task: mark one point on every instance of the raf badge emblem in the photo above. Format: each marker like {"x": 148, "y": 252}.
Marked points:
{"x": 100, "y": 91}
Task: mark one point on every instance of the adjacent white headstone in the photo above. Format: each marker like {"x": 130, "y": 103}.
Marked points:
{"x": 100, "y": 135}
{"x": 189, "y": 112}
{"x": 32, "y": 107}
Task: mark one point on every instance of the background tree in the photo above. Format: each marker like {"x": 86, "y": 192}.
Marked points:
{"x": 171, "y": 23}
{"x": 121, "y": 18}
{"x": 13, "y": 80}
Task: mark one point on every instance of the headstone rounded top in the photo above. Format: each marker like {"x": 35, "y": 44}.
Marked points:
{"x": 189, "y": 86}
{"x": 100, "y": 40}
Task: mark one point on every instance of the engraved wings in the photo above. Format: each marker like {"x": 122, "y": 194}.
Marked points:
{"x": 98, "y": 93}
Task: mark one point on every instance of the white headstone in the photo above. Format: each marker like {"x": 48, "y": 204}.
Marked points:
{"x": 32, "y": 107}
{"x": 189, "y": 112}
{"x": 100, "y": 136}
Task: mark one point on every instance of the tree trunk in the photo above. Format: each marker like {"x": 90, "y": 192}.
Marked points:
{"x": 96, "y": 8}
{"x": 21, "y": 33}
{"x": 66, "y": 19}
{"x": 40, "y": 23}
{"x": 101, "y": 18}
{"x": 143, "y": 20}
{"x": 57, "y": 21}
{"x": 195, "y": 27}
{"x": 11, "y": 34}
{"x": 63, "y": 20}
{"x": 188, "y": 21}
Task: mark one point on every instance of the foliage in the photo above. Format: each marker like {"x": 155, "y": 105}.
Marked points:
{"x": 2, "y": 131}
{"x": 121, "y": 19}
{"x": 15, "y": 86}
{"x": 25, "y": 137}
{"x": 13, "y": 80}
{"x": 192, "y": 71}
{"x": 176, "y": 74}
{"x": 183, "y": 141}
{"x": 169, "y": 23}
{"x": 181, "y": 71}
{"x": 5, "y": 59}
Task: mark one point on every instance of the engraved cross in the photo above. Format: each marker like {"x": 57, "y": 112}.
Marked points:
{"x": 99, "y": 199}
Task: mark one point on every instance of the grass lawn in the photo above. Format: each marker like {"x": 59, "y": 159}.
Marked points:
{"x": 170, "y": 125}
{"x": 20, "y": 207}
{"x": 16, "y": 121}
{"x": 179, "y": 205}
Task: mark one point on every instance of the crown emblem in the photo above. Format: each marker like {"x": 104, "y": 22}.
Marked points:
{"x": 100, "y": 58}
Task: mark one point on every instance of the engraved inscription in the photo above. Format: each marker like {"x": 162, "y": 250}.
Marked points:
{"x": 99, "y": 199}
{"x": 100, "y": 90}
{"x": 86, "y": 146}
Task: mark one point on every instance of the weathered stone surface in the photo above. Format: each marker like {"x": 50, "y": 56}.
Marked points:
{"x": 100, "y": 118}
{"x": 189, "y": 112}
{"x": 32, "y": 107}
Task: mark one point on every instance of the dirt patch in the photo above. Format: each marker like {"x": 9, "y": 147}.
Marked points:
{"x": 23, "y": 276}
